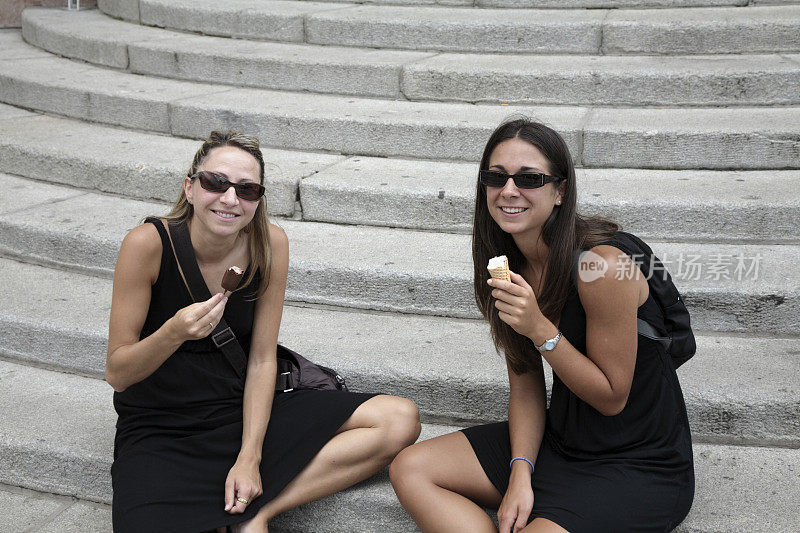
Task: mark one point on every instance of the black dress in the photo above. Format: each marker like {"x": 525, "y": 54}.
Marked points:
{"x": 595, "y": 473}
{"x": 179, "y": 430}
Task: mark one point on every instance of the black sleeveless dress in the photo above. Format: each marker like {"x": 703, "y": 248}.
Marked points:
{"x": 179, "y": 430}
{"x": 594, "y": 473}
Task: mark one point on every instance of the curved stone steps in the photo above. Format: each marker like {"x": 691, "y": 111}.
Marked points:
{"x": 675, "y": 31}
{"x": 568, "y": 4}
{"x": 66, "y": 449}
{"x": 54, "y": 322}
{"x": 731, "y": 397}
{"x": 706, "y": 30}
{"x": 96, "y": 38}
{"x": 741, "y": 138}
{"x": 583, "y": 80}
{"x": 133, "y": 164}
{"x": 739, "y": 288}
{"x": 723, "y": 206}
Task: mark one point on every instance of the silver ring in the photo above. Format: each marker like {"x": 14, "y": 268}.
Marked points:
{"x": 211, "y": 325}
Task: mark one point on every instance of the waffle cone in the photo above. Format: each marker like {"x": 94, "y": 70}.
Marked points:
{"x": 500, "y": 272}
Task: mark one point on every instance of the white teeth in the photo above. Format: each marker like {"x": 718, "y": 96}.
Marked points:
{"x": 513, "y": 209}
{"x": 225, "y": 215}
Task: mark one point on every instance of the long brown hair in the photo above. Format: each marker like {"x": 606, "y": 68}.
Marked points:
{"x": 564, "y": 232}
{"x": 258, "y": 229}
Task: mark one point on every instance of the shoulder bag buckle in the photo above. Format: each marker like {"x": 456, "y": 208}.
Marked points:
{"x": 221, "y": 338}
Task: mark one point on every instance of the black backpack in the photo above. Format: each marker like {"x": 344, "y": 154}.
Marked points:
{"x": 679, "y": 342}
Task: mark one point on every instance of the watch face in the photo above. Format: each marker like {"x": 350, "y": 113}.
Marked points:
{"x": 549, "y": 345}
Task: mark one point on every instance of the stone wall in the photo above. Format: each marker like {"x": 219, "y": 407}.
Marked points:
{"x": 11, "y": 10}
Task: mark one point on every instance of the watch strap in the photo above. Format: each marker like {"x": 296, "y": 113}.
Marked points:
{"x": 553, "y": 341}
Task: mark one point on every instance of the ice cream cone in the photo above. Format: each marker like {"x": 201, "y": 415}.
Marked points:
{"x": 498, "y": 268}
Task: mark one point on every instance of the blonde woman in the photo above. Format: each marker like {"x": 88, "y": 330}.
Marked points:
{"x": 197, "y": 447}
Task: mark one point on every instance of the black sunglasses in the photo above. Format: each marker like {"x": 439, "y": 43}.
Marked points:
{"x": 217, "y": 182}
{"x": 524, "y": 180}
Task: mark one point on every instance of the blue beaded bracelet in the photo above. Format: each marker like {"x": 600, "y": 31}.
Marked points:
{"x": 521, "y": 459}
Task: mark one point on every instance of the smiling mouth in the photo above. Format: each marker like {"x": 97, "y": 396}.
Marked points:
{"x": 513, "y": 210}
{"x": 222, "y": 214}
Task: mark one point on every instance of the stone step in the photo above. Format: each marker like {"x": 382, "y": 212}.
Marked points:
{"x": 28, "y": 511}
{"x": 404, "y": 193}
{"x": 147, "y": 166}
{"x": 745, "y": 288}
{"x": 447, "y": 366}
{"x": 707, "y": 30}
{"x": 96, "y": 38}
{"x": 660, "y": 204}
{"x": 587, "y": 80}
{"x": 567, "y": 4}
{"x": 606, "y": 80}
{"x": 67, "y": 449}
{"x": 741, "y": 138}
{"x": 722, "y": 30}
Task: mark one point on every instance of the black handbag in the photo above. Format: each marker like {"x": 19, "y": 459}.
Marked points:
{"x": 294, "y": 370}
{"x": 297, "y": 372}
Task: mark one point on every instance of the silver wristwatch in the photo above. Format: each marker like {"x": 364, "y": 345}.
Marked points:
{"x": 549, "y": 344}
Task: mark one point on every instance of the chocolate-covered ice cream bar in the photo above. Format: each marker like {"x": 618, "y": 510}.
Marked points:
{"x": 232, "y": 278}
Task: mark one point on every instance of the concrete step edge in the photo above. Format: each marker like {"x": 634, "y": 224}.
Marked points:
{"x": 128, "y": 9}
{"x": 451, "y": 28}
{"x": 28, "y": 511}
{"x": 76, "y": 461}
{"x": 742, "y": 138}
{"x": 586, "y": 80}
{"x": 564, "y": 4}
{"x": 426, "y": 195}
{"x": 415, "y": 356}
{"x": 728, "y": 287}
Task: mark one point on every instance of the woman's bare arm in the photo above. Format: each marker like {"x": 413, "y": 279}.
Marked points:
{"x": 244, "y": 481}
{"x": 602, "y": 378}
{"x": 526, "y": 413}
{"x": 130, "y": 360}
{"x": 262, "y": 364}
{"x": 526, "y": 419}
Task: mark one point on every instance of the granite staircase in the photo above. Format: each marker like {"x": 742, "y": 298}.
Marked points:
{"x": 683, "y": 116}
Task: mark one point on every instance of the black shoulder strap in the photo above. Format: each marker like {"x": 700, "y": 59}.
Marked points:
{"x": 222, "y": 336}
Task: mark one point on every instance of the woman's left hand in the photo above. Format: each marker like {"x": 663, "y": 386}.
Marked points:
{"x": 243, "y": 483}
{"x": 516, "y": 304}
{"x": 517, "y": 503}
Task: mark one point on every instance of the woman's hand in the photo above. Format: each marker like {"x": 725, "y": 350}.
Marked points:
{"x": 518, "y": 501}
{"x": 517, "y": 304}
{"x": 243, "y": 483}
{"x": 198, "y": 320}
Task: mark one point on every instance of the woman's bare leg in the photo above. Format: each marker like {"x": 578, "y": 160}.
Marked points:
{"x": 442, "y": 485}
{"x": 376, "y": 431}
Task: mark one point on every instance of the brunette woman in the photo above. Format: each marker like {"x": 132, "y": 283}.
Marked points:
{"x": 198, "y": 447}
{"x": 612, "y": 453}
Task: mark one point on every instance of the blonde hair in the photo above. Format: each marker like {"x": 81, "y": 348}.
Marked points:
{"x": 258, "y": 229}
